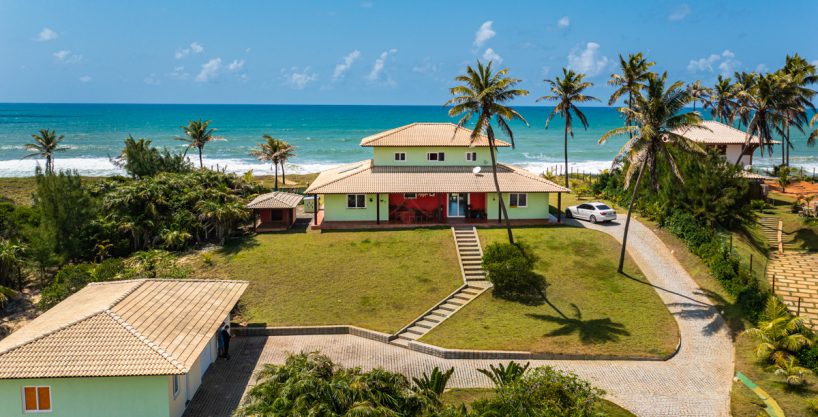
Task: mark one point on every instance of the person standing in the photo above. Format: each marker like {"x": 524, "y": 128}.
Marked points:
{"x": 220, "y": 342}
{"x": 225, "y": 338}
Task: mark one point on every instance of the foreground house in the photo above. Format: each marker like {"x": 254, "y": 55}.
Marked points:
{"x": 428, "y": 173}
{"x": 729, "y": 141}
{"x": 274, "y": 211}
{"x": 116, "y": 349}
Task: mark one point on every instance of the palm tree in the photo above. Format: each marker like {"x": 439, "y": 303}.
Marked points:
{"x": 566, "y": 92}
{"x": 286, "y": 152}
{"x": 779, "y": 333}
{"x": 657, "y": 117}
{"x": 801, "y": 74}
{"x": 269, "y": 151}
{"x": 721, "y": 100}
{"x": 699, "y": 92}
{"x": 742, "y": 90}
{"x": 197, "y": 135}
{"x": 482, "y": 92}
{"x": 814, "y": 135}
{"x": 758, "y": 107}
{"x": 45, "y": 144}
{"x": 635, "y": 73}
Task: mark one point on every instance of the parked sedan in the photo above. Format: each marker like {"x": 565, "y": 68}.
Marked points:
{"x": 593, "y": 212}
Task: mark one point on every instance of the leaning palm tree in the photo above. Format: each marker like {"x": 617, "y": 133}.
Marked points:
{"x": 286, "y": 152}
{"x": 801, "y": 75}
{"x": 567, "y": 91}
{"x": 483, "y": 92}
{"x": 268, "y": 151}
{"x": 635, "y": 73}
{"x": 45, "y": 144}
{"x": 758, "y": 107}
{"x": 721, "y": 100}
{"x": 658, "y": 117}
{"x": 198, "y": 133}
{"x": 698, "y": 92}
{"x": 742, "y": 91}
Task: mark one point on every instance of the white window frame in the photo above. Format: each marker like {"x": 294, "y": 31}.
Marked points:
{"x": 37, "y": 399}
{"x": 356, "y": 202}
{"x": 518, "y": 200}
{"x": 471, "y": 156}
{"x": 439, "y": 156}
{"x": 400, "y": 156}
{"x": 175, "y": 386}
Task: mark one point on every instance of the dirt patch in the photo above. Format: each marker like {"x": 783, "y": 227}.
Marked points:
{"x": 19, "y": 311}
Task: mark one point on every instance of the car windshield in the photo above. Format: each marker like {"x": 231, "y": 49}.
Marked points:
{"x": 602, "y": 207}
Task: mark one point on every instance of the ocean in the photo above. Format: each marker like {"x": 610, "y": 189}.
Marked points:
{"x": 324, "y": 136}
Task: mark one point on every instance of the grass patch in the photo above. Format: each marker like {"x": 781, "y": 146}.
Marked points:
{"x": 466, "y": 396}
{"x": 379, "y": 280}
{"x": 591, "y": 310}
{"x": 18, "y": 190}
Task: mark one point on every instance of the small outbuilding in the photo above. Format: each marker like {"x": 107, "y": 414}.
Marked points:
{"x": 274, "y": 211}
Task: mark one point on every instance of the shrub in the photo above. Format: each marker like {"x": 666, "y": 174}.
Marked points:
{"x": 511, "y": 269}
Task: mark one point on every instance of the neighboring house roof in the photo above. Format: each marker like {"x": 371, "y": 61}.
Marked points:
{"x": 364, "y": 177}
{"x": 121, "y": 328}
{"x": 715, "y": 133}
{"x": 275, "y": 200}
{"x": 429, "y": 134}
{"x": 754, "y": 176}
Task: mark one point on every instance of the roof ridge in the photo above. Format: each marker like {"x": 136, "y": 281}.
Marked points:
{"x": 380, "y": 135}
{"x": 149, "y": 343}
{"x": 368, "y": 166}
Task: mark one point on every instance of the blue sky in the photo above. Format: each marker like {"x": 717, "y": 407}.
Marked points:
{"x": 370, "y": 51}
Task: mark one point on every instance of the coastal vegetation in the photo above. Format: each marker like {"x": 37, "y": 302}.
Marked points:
{"x": 45, "y": 144}
{"x": 198, "y": 133}
{"x": 276, "y": 152}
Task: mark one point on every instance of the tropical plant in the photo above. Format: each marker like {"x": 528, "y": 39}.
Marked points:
{"x": 141, "y": 160}
{"x": 67, "y": 211}
{"x": 635, "y": 73}
{"x": 287, "y": 151}
{"x": 567, "y": 92}
{"x": 721, "y": 100}
{"x": 483, "y": 92}
{"x": 433, "y": 384}
{"x": 799, "y": 74}
{"x": 198, "y": 133}
{"x": 784, "y": 177}
{"x": 658, "y": 118}
{"x": 742, "y": 90}
{"x": 794, "y": 375}
{"x": 813, "y": 137}
{"x": 6, "y": 294}
{"x": 510, "y": 268}
{"x": 276, "y": 152}
{"x": 502, "y": 375}
{"x": 698, "y": 92}
{"x": 11, "y": 264}
{"x": 45, "y": 144}
{"x": 759, "y": 107}
{"x": 779, "y": 333}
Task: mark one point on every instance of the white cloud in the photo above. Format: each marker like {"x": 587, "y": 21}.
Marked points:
{"x": 378, "y": 65}
{"x": 179, "y": 73}
{"x": 210, "y": 70}
{"x": 343, "y": 67}
{"x": 564, "y": 22}
{"x": 490, "y": 55}
{"x": 194, "y": 47}
{"x": 298, "y": 78}
{"x": 484, "y": 34}
{"x": 47, "y": 34}
{"x": 426, "y": 67}
{"x": 679, "y": 13}
{"x": 236, "y": 65}
{"x": 587, "y": 60}
{"x": 67, "y": 57}
{"x": 85, "y": 79}
{"x": 725, "y": 62}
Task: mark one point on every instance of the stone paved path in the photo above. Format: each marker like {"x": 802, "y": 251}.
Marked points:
{"x": 796, "y": 276}
{"x": 696, "y": 382}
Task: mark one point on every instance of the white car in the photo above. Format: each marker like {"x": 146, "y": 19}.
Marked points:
{"x": 593, "y": 212}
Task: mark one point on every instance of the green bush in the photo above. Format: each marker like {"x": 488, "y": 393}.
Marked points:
{"x": 511, "y": 269}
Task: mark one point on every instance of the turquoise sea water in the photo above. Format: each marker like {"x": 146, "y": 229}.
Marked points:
{"x": 324, "y": 136}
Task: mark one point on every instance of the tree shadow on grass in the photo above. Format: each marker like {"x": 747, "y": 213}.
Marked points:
{"x": 236, "y": 245}
{"x": 593, "y": 331}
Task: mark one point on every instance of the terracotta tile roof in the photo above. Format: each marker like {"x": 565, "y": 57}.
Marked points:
{"x": 715, "y": 133}
{"x": 363, "y": 177}
{"x": 121, "y": 328}
{"x": 429, "y": 134}
{"x": 275, "y": 200}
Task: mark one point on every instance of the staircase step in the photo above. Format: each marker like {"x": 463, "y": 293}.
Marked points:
{"x": 450, "y": 306}
{"x": 434, "y": 318}
{"x": 427, "y": 324}
{"x": 470, "y": 291}
{"x": 455, "y": 301}
{"x": 419, "y": 330}
{"x": 441, "y": 312}
{"x": 463, "y": 297}
{"x": 410, "y": 336}
{"x": 400, "y": 342}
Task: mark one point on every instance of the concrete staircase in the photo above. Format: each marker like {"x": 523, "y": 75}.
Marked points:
{"x": 769, "y": 227}
{"x": 470, "y": 255}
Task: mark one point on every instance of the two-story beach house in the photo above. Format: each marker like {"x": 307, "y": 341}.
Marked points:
{"x": 730, "y": 142}
{"x": 428, "y": 173}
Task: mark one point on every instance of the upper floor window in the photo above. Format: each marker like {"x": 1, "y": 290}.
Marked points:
{"x": 471, "y": 156}
{"x": 400, "y": 156}
{"x": 356, "y": 201}
{"x": 518, "y": 200}
{"x": 436, "y": 156}
{"x": 36, "y": 399}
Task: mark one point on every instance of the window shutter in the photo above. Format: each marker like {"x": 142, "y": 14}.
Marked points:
{"x": 43, "y": 398}
{"x": 30, "y": 398}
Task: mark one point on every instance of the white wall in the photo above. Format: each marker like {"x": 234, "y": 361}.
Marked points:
{"x": 732, "y": 153}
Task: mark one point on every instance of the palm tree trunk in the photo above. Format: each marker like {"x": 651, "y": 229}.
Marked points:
{"x": 565, "y": 145}
{"x": 49, "y": 164}
{"x": 628, "y": 220}
{"x": 788, "y": 144}
{"x": 503, "y": 211}
{"x": 201, "y": 164}
{"x": 276, "y": 186}
{"x": 283, "y": 176}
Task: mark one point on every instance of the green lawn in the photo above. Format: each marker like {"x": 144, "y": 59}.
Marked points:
{"x": 379, "y": 280}
{"x": 591, "y": 309}
{"x": 468, "y": 395}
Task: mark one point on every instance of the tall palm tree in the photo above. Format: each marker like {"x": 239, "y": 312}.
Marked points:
{"x": 269, "y": 151}
{"x": 758, "y": 107}
{"x": 566, "y": 92}
{"x": 698, "y": 92}
{"x": 658, "y": 116}
{"x": 45, "y": 144}
{"x": 286, "y": 152}
{"x": 813, "y": 137}
{"x": 198, "y": 133}
{"x": 721, "y": 100}
{"x": 801, "y": 74}
{"x": 742, "y": 91}
{"x": 635, "y": 73}
{"x": 483, "y": 92}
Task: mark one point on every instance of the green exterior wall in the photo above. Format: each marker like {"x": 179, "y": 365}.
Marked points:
{"x": 335, "y": 208}
{"x": 137, "y": 396}
{"x": 537, "y": 207}
{"x": 416, "y": 156}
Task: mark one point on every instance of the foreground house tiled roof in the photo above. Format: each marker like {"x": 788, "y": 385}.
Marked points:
{"x": 121, "y": 328}
{"x": 715, "y": 133}
{"x": 429, "y": 134}
{"x": 364, "y": 177}
{"x": 275, "y": 200}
